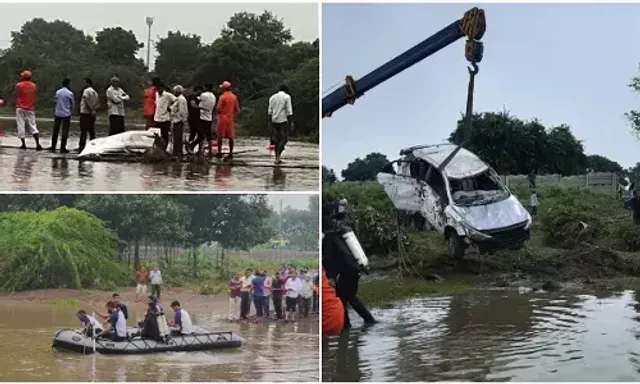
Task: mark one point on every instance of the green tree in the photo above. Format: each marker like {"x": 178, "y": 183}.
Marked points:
{"x": 118, "y": 46}
{"x": 513, "y": 146}
{"x": 139, "y": 217}
{"x": 598, "y": 163}
{"x": 365, "y": 169}
{"x": 260, "y": 30}
{"x": 179, "y": 56}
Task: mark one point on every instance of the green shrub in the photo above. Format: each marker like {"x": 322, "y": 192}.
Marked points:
{"x": 65, "y": 248}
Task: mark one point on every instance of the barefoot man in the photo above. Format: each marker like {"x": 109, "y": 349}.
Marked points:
{"x": 142, "y": 278}
{"x": 26, "y": 92}
{"x": 228, "y": 106}
{"x": 281, "y": 118}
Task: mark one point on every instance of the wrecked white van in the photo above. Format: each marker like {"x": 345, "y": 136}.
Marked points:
{"x": 467, "y": 202}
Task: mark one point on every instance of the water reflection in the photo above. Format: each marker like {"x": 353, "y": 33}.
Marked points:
{"x": 46, "y": 171}
{"x": 493, "y": 336}
{"x": 25, "y": 344}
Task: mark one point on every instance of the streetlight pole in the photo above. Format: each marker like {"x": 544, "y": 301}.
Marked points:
{"x": 149, "y": 24}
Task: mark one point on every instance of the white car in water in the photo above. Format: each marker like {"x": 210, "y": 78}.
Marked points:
{"x": 466, "y": 201}
{"x": 130, "y": 142}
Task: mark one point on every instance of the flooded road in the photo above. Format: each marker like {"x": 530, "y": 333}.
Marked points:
{"x": 494, "y": 336}
{"x": 274, "y": 352}
{"x": 43, "y": 171}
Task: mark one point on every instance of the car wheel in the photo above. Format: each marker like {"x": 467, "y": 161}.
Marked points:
{"x": 455, "y": 246}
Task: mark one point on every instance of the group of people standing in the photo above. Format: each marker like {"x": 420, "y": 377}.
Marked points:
{"x": 291, "y": 293}
{"x": 168, "y": 110}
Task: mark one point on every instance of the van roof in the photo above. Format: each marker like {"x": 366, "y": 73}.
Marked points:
{"x": 464, "y": 164}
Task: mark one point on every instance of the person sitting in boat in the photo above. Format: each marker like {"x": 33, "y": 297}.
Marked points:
{"x": 182, "y": 320}
{"x": 116, "y": 327}
{"x": 91, "y": 325}
{"x": 149, "y": 325}
{"x": 123, "y": 307}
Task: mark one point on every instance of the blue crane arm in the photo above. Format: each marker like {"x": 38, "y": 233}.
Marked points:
{"x": 472, "y": 25}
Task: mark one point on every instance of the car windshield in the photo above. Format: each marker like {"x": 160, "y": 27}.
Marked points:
{"x": 481, "y": 189}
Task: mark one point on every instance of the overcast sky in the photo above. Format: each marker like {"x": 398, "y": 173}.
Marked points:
{"x": 537, "y": 63}
{"x": 293, "y": 201}
{"x": 205, "y": 20}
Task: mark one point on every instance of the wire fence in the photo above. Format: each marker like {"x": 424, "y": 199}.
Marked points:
{"x": 599, "y": 182}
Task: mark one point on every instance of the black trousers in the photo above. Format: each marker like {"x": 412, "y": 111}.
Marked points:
{"x": 204, "y": 132}
{"x": 280, "y": 136}
{"x": 116, "y": 124}
{"x": 178, "y": 128}
{"x": 65, "y": 122}
{"x": 245, "y": 305}
{"x": 277, "y": 305}
{"x": 87, "y": 126}
{"x": 165, "y": 127}
{"x": 347, "y": 291}
{"x": 194, "y": 127}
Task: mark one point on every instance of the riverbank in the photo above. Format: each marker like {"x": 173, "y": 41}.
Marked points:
{"x": 577, "y": 238}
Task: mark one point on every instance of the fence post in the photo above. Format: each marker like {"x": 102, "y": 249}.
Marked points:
{"x": 586, "y": 179}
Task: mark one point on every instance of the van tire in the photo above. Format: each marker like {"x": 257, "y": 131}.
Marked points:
{"x": 455, "y": 246}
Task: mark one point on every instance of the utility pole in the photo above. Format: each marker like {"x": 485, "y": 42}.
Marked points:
{"x": 280, "y": 232}
{"x": 149, "y": 24}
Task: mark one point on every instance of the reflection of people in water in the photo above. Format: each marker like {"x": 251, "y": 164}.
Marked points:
{"x": 278, "y": 177}
{"x": 222, "y": 176}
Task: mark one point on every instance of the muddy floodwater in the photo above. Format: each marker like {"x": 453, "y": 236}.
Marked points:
{"x": 494, "y": 336}
{"x": 274, "y": 352}
{"x": 43, "y": 171}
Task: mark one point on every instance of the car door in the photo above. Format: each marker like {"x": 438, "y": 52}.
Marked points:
{"x": 405, "y": 192}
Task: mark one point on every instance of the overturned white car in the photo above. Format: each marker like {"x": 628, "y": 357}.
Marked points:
{"x": 467, "y": 202}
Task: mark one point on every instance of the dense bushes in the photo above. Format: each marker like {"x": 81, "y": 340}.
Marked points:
{"x": 65, "y": 248}
{"x": 568, "y": 220}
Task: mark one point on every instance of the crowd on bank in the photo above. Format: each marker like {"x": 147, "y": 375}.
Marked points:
{"x": 292, "y": 294}
{"x": 207, "y": 111}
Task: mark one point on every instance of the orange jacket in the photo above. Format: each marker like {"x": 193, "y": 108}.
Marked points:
{"x": 150, "y": 101}
{"x": 332, "y": 309}
{"x": 228, "y": 104}
{"x": 26, "y": 91}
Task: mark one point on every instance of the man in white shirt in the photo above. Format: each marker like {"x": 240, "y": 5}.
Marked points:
{"x": 281, "y": 117}
{"x": 245, "y": 293}
{"x": 293, "y": 287}
{"x": 179, "y": 117}
{"x": 162, "y": 116}
{"x": 116, "y": 97}
{"x": 89, "y": 104}
{"x": 156, "y": 282}
{"x": 207, "y": 104}
{"x": 182, "y": 319}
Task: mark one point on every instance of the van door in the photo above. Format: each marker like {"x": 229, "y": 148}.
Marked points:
{"x": 435, "y": 200}
{"x": 404, "y": 191}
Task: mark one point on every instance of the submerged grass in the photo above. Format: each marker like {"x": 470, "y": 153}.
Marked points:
{"x": 67, "y": 303}
{"x": 385, "y": 291}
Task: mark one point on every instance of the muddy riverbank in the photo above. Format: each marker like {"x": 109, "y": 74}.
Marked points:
{"x": 31, "y": 318}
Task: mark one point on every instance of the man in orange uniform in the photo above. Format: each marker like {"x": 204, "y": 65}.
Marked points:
{"x": 26, "y": 92}
{"x": 332, "y": 309}
{"x": 228, "y": 106}
{"x": 149, "y": 105}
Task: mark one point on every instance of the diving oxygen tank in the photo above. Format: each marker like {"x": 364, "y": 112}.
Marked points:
{"x": 356, "y": 249}
{"x": 163, "y": 328}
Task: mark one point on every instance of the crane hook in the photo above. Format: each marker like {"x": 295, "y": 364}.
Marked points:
{"x": 474, "y": 70}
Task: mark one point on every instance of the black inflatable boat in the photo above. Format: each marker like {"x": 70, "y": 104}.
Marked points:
{"x": 74, "y": 340}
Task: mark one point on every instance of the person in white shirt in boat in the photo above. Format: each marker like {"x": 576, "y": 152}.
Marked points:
{"x": 115, "y": 328}
{"x": 280, "y": 113}
{"x": 91, "y": 325}
{"x": 182, "y": 320}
